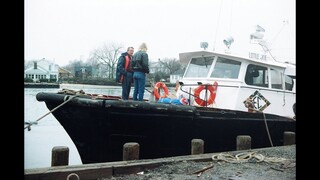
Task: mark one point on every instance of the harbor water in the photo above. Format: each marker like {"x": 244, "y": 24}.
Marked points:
{"x": 47, "y": 132}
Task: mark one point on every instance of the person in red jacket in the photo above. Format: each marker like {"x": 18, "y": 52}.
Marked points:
{"x": 124, "y": 73}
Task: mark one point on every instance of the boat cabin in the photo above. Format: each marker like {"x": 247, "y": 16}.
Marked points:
{"x": 233, "y": 82}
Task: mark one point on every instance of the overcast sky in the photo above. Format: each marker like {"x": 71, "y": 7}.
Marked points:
{"x": 65, "y": 30}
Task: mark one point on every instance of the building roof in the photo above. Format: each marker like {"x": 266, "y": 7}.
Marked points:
{"x": 64, "y": 71}
{"x": 39, "y": 70}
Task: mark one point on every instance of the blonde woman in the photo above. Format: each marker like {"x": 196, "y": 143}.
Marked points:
{"x": 140, "y": 66}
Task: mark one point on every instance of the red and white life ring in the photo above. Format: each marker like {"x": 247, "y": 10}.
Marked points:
{"x": 157, "y": 87}
{"x": 211, "y": 88}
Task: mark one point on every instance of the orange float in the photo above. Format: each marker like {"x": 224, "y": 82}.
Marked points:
{"x": 211, "y": 88}
{"x": 157, "y": 87}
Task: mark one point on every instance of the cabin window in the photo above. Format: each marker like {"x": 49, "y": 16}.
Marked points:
{"x": 276, "y": 79}
{"x": 288, "y": 82}
{"x": 226, "y": 68}
{"x": 199, "y": 67}
{"x": 257, "y": 75}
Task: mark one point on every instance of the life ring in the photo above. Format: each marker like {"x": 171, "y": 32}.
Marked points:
{"x": 211, "y": 88}
{"x": 157, "y": 86}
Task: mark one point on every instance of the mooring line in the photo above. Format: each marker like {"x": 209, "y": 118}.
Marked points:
{"x": 29, "y": 125}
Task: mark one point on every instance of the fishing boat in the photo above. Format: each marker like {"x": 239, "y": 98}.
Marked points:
{"x": 224, "y": 96}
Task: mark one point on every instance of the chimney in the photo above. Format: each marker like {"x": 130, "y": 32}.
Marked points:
{"x": 35, "y": 64}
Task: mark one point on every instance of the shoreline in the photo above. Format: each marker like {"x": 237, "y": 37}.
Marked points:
{"x": 41, "y": 85}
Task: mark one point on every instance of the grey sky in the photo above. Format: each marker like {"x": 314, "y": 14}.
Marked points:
{"x": 65, "y": 30}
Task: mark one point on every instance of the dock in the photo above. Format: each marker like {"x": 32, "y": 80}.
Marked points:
{"x": 269, "y": 163}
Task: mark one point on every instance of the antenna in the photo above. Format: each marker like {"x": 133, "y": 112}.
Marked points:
{"x": 257, "y": 38}
{"x": 216, "y": 33}
{"x": 284, "y": 22}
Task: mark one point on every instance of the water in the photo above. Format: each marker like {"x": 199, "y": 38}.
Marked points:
{"x": 48, "y": 132}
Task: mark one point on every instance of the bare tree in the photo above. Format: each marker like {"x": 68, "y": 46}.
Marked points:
{"x": 107, "y": 55}
{"x": 170, "y": 65}
{"x": 72, "y": 64}
{"x": 97, "y": 65}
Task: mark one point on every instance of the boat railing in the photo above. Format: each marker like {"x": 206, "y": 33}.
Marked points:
{"x": 198, "y": 96}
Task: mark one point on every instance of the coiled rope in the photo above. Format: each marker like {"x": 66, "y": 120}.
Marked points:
{"x": 245, "y": 157}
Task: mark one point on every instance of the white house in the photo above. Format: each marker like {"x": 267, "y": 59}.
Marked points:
{"x": 42, "y": 69}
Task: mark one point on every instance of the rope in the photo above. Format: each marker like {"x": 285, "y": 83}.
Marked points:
{"x": 249, "y": 104}
{"x": 267, "y": 128}
{"x": 148, "y": 90}
{"x": 29, "y": 125}
{"x": 245, "y": 157}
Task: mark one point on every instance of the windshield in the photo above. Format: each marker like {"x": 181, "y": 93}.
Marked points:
{"x": 226, "y": 68}
{"x": 199, "y": 67}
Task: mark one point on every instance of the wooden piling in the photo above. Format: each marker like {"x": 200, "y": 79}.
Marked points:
{"x": 243, "y": 142}
{"x": 60, "y": 156}
{"x": 131, "y": 151}
{"x": 197, "y": 146}
{"x": 289, "y": 138}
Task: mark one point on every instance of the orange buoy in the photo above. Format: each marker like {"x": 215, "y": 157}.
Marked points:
{"x": 211, "y": 88}
{"x": 157, "y": 87}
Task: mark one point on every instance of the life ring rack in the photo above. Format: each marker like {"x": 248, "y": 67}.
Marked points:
{"x": 157, "y": 87}
{"x": 211, "y": 88}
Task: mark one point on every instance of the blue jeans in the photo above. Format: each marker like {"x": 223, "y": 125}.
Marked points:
{"x": 126, "y": 85}
{"x": 139, "y": 80}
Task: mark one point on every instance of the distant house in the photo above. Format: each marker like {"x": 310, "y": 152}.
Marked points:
{"x": 64, "y": 73}
{"x": 38, "y": 70}
{"x": 83, "y": 72}
{"x": 176, "y": 76}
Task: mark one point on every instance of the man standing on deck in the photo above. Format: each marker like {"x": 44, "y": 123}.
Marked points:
{"x": 124, "y": 73}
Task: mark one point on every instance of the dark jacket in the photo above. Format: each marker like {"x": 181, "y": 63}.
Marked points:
{"x": 140, "y": 62}
{"x": 120, "y": 67}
